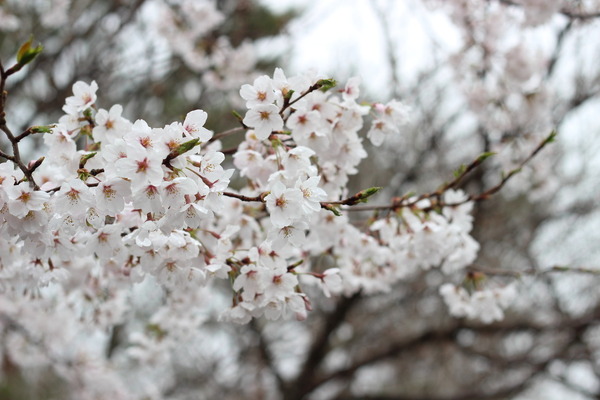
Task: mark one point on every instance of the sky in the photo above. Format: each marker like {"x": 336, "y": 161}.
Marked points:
{"x": 347, "y": 38}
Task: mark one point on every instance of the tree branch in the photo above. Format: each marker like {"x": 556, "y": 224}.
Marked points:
{"x": 305, "y": 382}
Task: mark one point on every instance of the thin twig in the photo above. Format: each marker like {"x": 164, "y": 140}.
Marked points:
{"x": 564, "y": 11}
{"x": 226, "y": 133}
{"x": 259, "y": 198}
{"x": 8, "y": 157}
{"x": 560, "y": 40}
{"x": 532, "y": 271}
{"x": 404, "y": 202}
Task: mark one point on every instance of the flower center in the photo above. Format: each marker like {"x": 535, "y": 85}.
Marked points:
{"x": 280, "y": 202}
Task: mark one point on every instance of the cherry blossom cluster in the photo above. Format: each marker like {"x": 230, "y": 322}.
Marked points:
{"x": 485, "y": 305}
{"x": 140, "y": 202}
{"x": 120, "y": 219}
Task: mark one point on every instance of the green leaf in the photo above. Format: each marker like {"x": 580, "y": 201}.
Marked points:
{"x": 41, "y": 129}
{"x": 333, "y": 209}
{"x": 482, "y": 157}
{"x": 294, "y": 265}
{"x": 86, "y": 130}
{"x": 26, "y": 53}
{"x": 551, "y": 137}
{"x": 84, "y": 159}
{"x": 156, "y": 330}
{"x": 325, "y": 84}
{"x": 514, "y": 171}
{"x": 288, "y": 95}
{"x": 184, "y": 147}
{"x": 461, "y": 170}
{"x": 237, "y": 115}
{"x": 88, "y": 113}
{"x": 24, "y": 49}
{"x": 363, "y": 195}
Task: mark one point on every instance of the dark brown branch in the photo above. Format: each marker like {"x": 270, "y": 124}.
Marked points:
{"x": 391, "y": 351}
{"x": 259, "y": 198}
{"x": 581, "y": 16}
{"x": 560, "y": 40}
{"x": 265, "y": 353}
{"x": 27, "y": 132}
{"x": 576, "y": 326}
{"x": 16, "y": 157}
{"x": 305, "y": 382}
{"x": 6, "y": 156}
{"x": 226, "y": 133}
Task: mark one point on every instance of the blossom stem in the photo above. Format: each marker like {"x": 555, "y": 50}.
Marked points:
{"x": 16, "y": 157}
{"x": 287, "y": 104}
{"x": 259, "y": 198}
{"x": 6, "y": 156}
{"x": 226, "y": 133}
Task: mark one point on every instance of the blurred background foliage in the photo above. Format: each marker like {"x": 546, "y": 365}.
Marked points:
{"x": 117, "y": 44}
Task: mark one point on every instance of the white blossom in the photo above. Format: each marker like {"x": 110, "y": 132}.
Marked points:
{"x": 265, "y": 119}
{"x": 284, "y": 205}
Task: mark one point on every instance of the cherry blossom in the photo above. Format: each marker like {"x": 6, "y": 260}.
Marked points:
{"x": 110, "y": 125}
{"x": 265, "y": 119}
{"x": 194, "y": 125}
{"x": 141, "y": 167}
{"x": 73, "y": 198}
{"x": 261, "y": 92}
{"x": 284, "y": 204}
{"x": 312, "y": 194}
{"x": 487, "y": 305}
{"x": 84, "y": 96}
{"x": 21, "y": 199}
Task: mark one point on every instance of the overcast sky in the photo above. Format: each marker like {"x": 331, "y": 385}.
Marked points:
{"x": 347, "y": 38}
